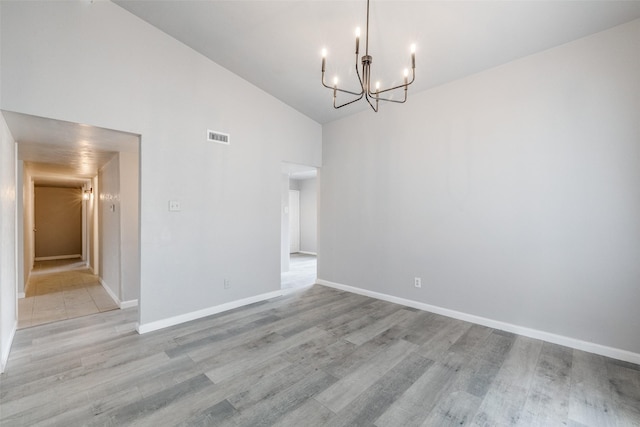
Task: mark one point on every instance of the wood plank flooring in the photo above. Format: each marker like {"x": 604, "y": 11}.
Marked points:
{"x": 316, "y": 357}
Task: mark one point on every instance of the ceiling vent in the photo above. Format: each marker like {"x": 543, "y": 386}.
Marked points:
{"x": 219, "y": 137}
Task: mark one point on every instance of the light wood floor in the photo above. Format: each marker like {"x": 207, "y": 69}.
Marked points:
{"x": 314, "y": 357}
{"x": 61, "y": 289}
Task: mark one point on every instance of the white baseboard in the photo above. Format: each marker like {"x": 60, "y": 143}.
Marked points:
{"x": 182, "y": 318}
{"x": 110, "y": 292}
{"x": 77, "y": 266}
{"x": 21, "y": 295}
{"x": 577, "y": 344}
{"x": 50, "y": 258}
{"x": 128, "y": 304}
{"x": 4, "y": 357}
{"x": 121, "y": 304}
{"x": 308, "y": 253}
{"x": 26, "y": 282}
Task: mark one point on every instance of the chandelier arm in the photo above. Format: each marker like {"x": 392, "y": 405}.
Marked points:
{"x": 338, "y": 89}
{"x": 348, "y": 91}
{"x": 358, "y": 74}
{"x": 346, "y": 103}
{"x": 377, "y": 97}
{"x": 370, "y": 104}
{"x": 394, "y": 88}
{"x": 404, "y": 85}
{"x": 324, "y": 84}
{"x": 392, "y": 100}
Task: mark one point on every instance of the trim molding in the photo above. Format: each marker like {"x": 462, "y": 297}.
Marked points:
{"x": 121, "y": 304}
{"x": 112, "y": 295}
{"x": 128, "y": 304}
{"x": 186, "y": 317}
{"x": 308, "y": 253}
{"x": 26, "y": 282}
{"x": 49, "y": 258}
{"x": 4, "y": 358}
{"x": 21, "y": 295}
{"x": 574, "y": 343}
{"x": 82, "y": 266}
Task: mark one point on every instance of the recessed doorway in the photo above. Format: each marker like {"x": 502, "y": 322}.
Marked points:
{"x": 299, "y": 225}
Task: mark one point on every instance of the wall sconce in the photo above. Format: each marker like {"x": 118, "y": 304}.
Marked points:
{"x": 87, "y": 194}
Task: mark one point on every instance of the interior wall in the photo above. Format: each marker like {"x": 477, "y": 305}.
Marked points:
{"x": 94, "y": 227}
{"x": 58, "y": 221}
{"x": 59, "y": 58}
{"x": 20, "y": 220}
{"x": 109, "y": 226}
{"x": 8, "y": 274}
{"x": 284, "y": 222}
{"x": 129, "y": 226}
{"x": 513, "y": 193}
{"x": 28, "y": 223}
{"x": 308, "y": 215}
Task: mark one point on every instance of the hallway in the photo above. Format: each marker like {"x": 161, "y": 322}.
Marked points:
{"x": 60, "y": 290}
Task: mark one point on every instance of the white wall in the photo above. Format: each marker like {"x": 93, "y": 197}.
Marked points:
{"x": 8, "y": 224}
{"x": 308, "y": 212}
{"x": 64, "y": 60}
{"x": 21, "y": 270}
{"x": 308, "y": 215}
{"x": 514, "y": 194}
{"x": 27, "y": 213}
{"x": 284, "y": 223}
{"x": 129, "y": 226}
{"x": 109, "y": 213}
{"x": 94, "y": 227}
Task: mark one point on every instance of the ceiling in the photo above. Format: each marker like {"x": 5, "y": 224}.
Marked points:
{"x": 63, "y": 153}
{"x": 299, "y": 172}
{"x": 276, "y": 45}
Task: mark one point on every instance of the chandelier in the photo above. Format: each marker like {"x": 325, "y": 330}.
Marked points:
{"x": 371, "y": 96}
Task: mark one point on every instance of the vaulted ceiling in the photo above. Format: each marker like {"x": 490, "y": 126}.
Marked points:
{"x": 276, "y": 45}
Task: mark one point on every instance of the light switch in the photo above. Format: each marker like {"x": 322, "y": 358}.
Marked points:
{"x": 174, "y": 205}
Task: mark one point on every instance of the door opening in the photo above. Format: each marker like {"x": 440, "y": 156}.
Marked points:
{"x": 299, "y": 226}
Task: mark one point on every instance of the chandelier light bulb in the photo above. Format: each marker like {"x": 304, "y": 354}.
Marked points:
{"x": 406, "y": 72}
{"x": 413, "y": 48}
{"x": 358, "y": 32}
{"x": 377, "y": 85}
{"x": 324, "y": 59}
{"x": 335, "y": 81}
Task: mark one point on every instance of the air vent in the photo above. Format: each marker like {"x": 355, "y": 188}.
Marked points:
{"x": 219, "y": 137}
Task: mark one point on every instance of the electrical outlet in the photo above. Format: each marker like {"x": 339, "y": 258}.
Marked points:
{"x": 417, "y": 282}
{"x": 227, "y": 284}
{"x": 174, "y": 205}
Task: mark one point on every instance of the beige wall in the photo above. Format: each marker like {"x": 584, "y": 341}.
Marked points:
{"x": 58, "y": 221}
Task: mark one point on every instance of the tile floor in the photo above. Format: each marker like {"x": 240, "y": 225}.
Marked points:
{"x": 61, "y": 290}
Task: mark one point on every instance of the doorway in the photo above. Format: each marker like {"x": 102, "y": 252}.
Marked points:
{"x": 58, "y": 222}
{"x": 53, "y": 152}
{"x": 299, "y": 226}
